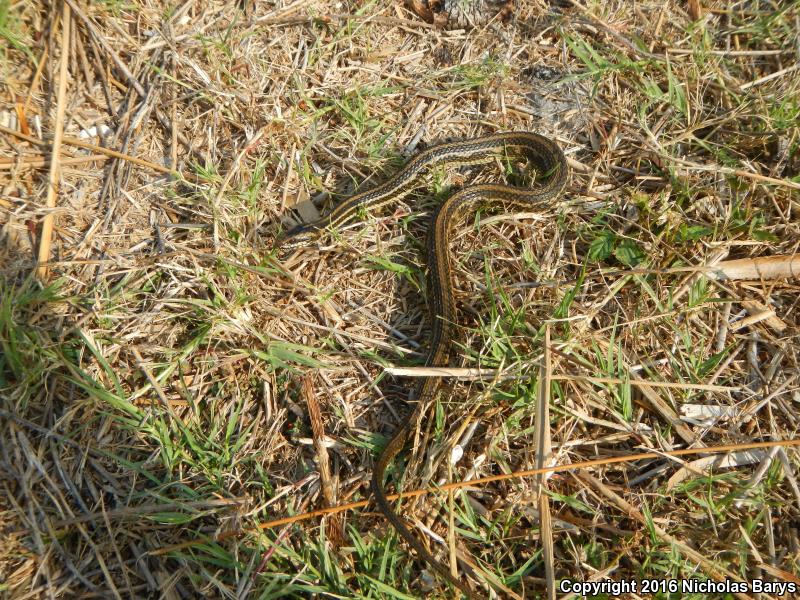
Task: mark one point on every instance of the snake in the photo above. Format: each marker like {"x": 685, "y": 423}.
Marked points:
{"x": 550, "y": 164}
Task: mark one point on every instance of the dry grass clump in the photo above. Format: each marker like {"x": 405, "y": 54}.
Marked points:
{"x": 151, "y": 383}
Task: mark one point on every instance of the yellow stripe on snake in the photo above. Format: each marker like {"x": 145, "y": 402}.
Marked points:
{"x": 549, "y": 162}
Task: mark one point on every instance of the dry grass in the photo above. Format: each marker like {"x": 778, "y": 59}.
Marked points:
{"x": 151, "y": 388}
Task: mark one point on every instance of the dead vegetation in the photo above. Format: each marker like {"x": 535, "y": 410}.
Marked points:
{"x": 166, "y": 382}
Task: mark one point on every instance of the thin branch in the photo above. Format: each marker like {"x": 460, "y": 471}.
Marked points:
{"x": 471, "y": 373}
{"x": 93, "y": 147}
{"x": 484, "y": 480}
{"x": 107, "y": 47}
{"x": 52, "y": 179}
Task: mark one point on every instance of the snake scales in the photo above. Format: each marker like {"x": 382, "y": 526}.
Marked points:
{"x": 549, "y": 161}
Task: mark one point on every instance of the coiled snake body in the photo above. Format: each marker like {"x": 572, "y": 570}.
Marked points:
{"x": 549, "y": 162}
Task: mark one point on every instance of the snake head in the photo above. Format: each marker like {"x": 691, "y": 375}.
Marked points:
{"x": 302, "y": 236}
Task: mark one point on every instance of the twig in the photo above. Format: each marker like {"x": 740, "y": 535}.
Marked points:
{"x": 94, "y": 147}
{"x": 728, "y": 171}
{"x": 335, "y": 533}
{"x": 469, "y": 374}
{"x": 406, "y": 24}
{"x": 597, "y": 462}
{"x": 644, "y": 382}
{"x": 769, "y": 77}
{"x": 37, "y": 162}
{"x": 689, "y": 51}
{"x": 318, "y": 430}
{"x": 107, "y": 47}
{"x": 543, "y": 451}
{"x": 35, "y": 81}
{"x": 760, "y": 267}
{"x": 52, "y": 179}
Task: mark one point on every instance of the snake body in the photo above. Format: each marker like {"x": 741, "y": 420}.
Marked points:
{"x": 548, "y": 160}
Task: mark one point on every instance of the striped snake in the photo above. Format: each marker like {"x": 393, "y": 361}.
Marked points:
{"x": 548, "y": 160}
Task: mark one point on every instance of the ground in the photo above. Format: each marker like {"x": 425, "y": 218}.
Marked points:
{"x": 171, "y": 382}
